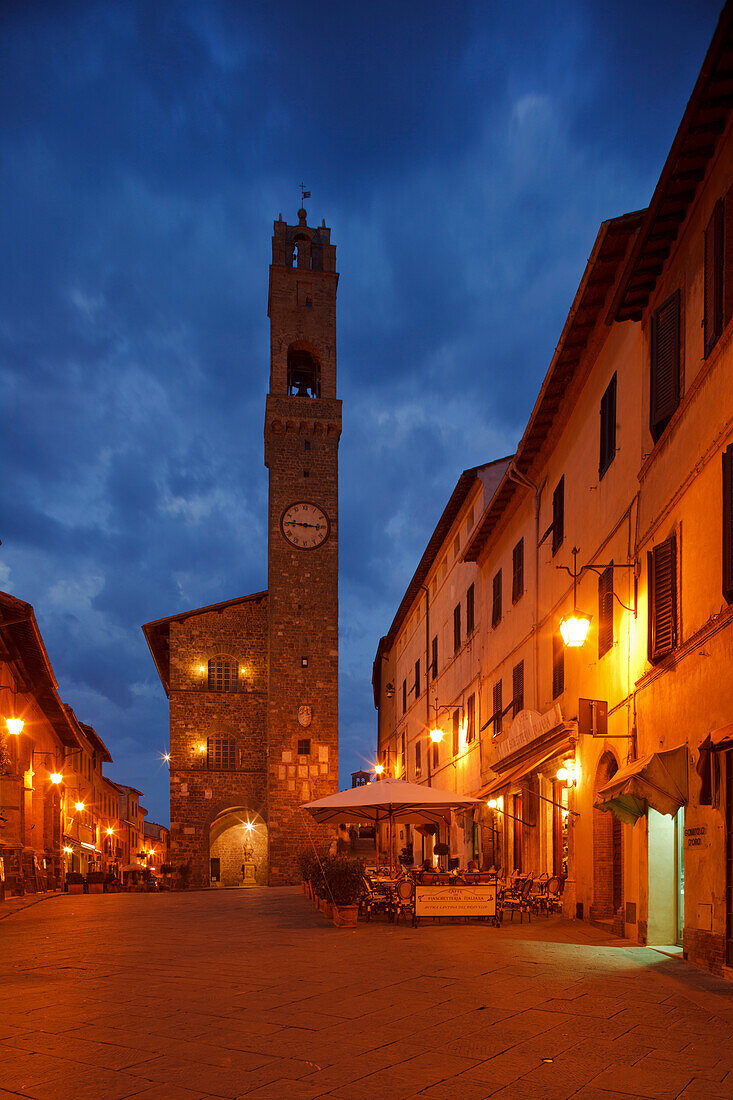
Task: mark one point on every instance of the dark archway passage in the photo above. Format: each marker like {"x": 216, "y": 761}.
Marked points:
{"x": 607, "y": 850}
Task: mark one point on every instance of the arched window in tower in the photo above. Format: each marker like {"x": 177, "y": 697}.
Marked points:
{"x": 295, "y": 254}
{"x": 221, "y": 754}
{"x": 223, "y": 673}
{"x": 304, "y": 373}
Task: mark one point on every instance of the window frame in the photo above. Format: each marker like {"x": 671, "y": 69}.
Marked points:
{"x": 518, "y": 571}
{"x": 558, "y": 515}
{"x": 605, "y": 611}
{"x": 662, "y": 569}
{"x": 517, "y": 688}
{"x": 558, "y": 665}
{"x": 662, "y": 407}
{"x": 456, "y": 628}
{"x": 470, "y": 609}
{"x": 496, "y": 594}
{"x": 215, "y": 750}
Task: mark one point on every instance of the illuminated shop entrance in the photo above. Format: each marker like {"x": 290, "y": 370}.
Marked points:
{"x": 666, "y": 877}
{"x": 238, "y": 848}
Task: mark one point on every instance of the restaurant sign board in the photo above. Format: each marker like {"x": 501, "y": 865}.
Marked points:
{"x": 527, "y": 727}
{"x": 476, "y": 900}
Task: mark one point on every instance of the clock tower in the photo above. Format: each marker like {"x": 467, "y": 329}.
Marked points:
{"x": 302, "y": 430}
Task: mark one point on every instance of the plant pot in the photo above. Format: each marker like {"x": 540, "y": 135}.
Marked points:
{"x": 345, "y": 916}
{"x": 76, "y": 887}
{"x": 96, "y": 887}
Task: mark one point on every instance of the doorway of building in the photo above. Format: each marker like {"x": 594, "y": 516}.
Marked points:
{"x": 607, "y": 850}
{"x": 238, "y": 848}
{"x": 728, "y": 764}
{"x": 666, "y": 891}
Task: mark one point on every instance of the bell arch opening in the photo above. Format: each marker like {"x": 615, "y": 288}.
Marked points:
{"x": 238, "y": 848}
{"x": 607, "y": 849}
{"x": 304, "y": 371}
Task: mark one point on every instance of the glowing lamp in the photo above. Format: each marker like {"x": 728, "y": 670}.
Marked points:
{"x": 567, "y": 773}
{"x": 436, "y": 736}
{"x": 202, "y": 749}
{"x": 202, "y": 668}
{"x": 15, "y": 726}
{"x": 491, "y": 803}
{"x": 248, "y": 826}
{"x": 167, "y": 757}
{"x": 378, "y": 769}
{"x": 110, "y": 832}
{"x": 79, "y": 806}
{"x": 56, "y": 777}
{"x": 496, "y": 803}
{"x": 68, "y": 850}
{"x": 574, "y": 629}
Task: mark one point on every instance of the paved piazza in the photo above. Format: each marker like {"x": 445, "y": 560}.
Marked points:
{"x": 252, "y": 993}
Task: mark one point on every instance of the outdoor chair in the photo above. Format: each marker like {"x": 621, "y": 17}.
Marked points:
{"x": 374, "y": 900}
{"x": 553, "y": 892}
{"x": 404, "y": 899}
{"x": 428, "y": 878}
{"x": 517, "y": 900}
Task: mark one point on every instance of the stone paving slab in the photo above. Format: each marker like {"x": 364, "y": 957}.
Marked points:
{"x": 252, "y": 994}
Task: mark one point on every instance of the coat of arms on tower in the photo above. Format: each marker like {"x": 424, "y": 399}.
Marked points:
{"x": 304, "y": 715}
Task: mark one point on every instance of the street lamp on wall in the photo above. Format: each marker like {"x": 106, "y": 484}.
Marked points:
{"x": 574, "y": 628}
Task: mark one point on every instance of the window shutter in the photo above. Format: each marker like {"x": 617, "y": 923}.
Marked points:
{"x": 470, "y": 717}
{"x": 434, "y": 657}
{"x": 558, "y": 665}
{"x": 418, "y": 759}
{"x": 456, "y": 731}
{"x": 713, "y": 309}
{"x": 728, "y": 257}
{"x": 608, "y": 428}
{"x": 496, "y": 604}
{"x": 662, "y": 579}
{"x": 404, "y": 696}
{"x": 517, "y": 688}
{"x": 518, "y": 571}
{"x": 498, "y": 708}
{"x": 728, "y": 524}
{"x": 605, "y": 611}
{"x": 558, "y": 515}
{"x": 665, "y": 364}
{"x": 417, "y": 679}
{"x": 457, "y": 627}
{"x": 470, "y": 609}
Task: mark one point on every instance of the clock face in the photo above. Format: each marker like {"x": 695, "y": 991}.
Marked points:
{"x": 305, "y": 525}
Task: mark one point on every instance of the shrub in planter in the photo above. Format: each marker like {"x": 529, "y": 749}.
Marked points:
{"x": 75, "y": 882}
{"x": 345, "y": 886}
{"x": 96, "y": 881}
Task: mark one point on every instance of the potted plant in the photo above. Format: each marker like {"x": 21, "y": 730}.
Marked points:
{"x": 96, "y": 881}
{"x": 75, "y": 882}
{"x": 345, "y": 887}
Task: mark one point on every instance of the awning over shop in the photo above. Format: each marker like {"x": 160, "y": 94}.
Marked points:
{"x": 559, "y": 748}
{"x": 658, "y": 780}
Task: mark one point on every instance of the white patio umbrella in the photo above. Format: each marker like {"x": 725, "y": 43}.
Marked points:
{"x": 389, "y": 800}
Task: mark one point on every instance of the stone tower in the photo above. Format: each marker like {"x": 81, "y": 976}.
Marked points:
{"x": 302, "y": 430}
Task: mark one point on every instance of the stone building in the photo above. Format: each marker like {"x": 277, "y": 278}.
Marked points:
{"x": 253, "y": 681}
{"x": 609, "y": 762}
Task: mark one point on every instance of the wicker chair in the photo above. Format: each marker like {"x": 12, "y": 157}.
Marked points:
{"x": 517, "y": 900}
{"x": 404, "y": 899}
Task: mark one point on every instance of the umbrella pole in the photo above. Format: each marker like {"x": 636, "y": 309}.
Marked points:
{"x": 390, "y": 844}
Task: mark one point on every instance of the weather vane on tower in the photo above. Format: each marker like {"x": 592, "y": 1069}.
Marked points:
{"x": 303, "y": 194}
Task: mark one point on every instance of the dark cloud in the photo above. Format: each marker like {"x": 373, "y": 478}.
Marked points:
{"x": 464, "y": 155}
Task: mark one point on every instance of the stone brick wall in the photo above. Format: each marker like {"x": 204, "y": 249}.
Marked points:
{"x": 704, "y": 949}
{"x": 199, "y": 795}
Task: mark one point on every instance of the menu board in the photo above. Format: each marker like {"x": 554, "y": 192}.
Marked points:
{"x": 477, "y": 900}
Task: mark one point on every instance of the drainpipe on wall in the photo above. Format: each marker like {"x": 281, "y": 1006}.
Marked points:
{"x": 521, "y": 479}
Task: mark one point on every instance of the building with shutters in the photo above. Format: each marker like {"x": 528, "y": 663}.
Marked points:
{"x": 618, "y": 507}
{"x": 253, "y": 681}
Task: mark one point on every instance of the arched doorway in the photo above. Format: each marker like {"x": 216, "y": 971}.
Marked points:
{"x": 238, "y": 848}
{"x": 607, "y": 850}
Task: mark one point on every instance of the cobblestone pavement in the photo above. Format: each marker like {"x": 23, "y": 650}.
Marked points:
{"x": 252, "y": 993}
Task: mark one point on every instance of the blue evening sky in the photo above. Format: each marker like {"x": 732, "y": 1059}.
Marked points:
{"x": 464, "y": 155}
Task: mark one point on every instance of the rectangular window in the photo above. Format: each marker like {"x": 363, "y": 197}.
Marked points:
{"x": 418, "y": 759}
{"x": 605, "y": 611}
{"x": 456, "y": 628}
{"x": 304, "y": 746}
{"x": 417, "y": 679}
{"x": 713, "y": 297}
{"x": 434, "y": 658}
{"x": 456, "y": 731}
{"x": 518, "y": 571}
{"x": 608, "y": 428}
{"x": 496, "y": 599}
{"x": 497, "y": 710}
{"x": 436, "y": 755}
{"x": 470, "y": 610}
{"x": 470, "y": 718}
{"x": 402, "y": 756}
{"x": 728, "y": 523}
{"x": 662, "y": 582}
{"x": 220, "y": 755}
{"x": 558, "y": 666}
{"x": 517, "y": 689}
{"x": 404, "y": 696}
{"x": 665, "y": 364}
{"x": 517, "y": 823}
{"x": 558, "y": 515}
